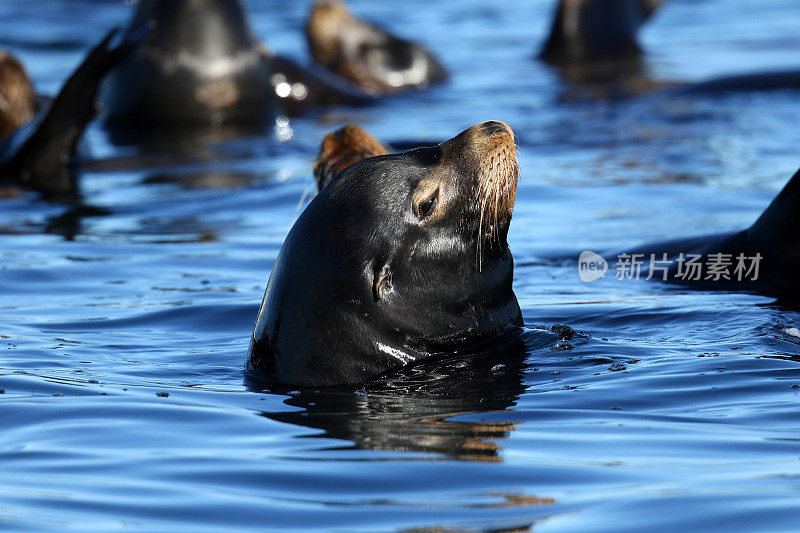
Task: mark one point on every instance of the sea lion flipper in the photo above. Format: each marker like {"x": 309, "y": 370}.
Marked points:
{"x": 779, "y": 223}
{"x": 39, "y": 155}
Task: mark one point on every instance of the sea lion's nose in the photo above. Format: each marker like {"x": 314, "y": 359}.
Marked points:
{"x": 494, "y": 127}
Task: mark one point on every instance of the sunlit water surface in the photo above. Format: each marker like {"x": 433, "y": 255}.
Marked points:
{"x": 124, "y": 332}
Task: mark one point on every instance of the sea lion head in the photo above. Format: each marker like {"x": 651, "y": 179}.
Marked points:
{"x": 341, "y": 149}
{"x": 17, "y": 97}
{"x": 199, "y": 64}
{"x": 401, "y": 257}
{"x": 323, "y": 29}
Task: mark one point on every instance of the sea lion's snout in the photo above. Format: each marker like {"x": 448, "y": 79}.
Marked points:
{"x": 487, "y": 153}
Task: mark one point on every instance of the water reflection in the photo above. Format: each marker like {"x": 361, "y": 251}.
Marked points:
{"x": 70, "y": 223}
{"x": 196, "y": 141}
{"x": 204, "y": 179}
{"x": 414, "y": 410}
{"x": 607, "y": 80}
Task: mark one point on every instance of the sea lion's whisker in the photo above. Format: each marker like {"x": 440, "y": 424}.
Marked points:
{"x": 302, "y": 200}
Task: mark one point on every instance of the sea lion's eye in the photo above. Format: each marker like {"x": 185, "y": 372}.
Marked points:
{"x": 426, "y": 206}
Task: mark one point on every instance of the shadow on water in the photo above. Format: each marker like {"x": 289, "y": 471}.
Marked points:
{"x": 412, "y": 410}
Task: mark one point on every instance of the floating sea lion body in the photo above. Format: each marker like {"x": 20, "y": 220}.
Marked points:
{"x": 201, "y": 66}
{"x": 299, "y": 87}
{"x": 373, "y": 59}
{"x": 401, "y": 257}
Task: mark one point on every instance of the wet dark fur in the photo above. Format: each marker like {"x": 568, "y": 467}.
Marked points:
{"x": 202, "y": 68}
{"x": 361, "y": 286}
{"x": 199, "y": 65}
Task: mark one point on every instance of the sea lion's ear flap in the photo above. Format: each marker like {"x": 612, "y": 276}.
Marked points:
{"x": 382, "y": 283}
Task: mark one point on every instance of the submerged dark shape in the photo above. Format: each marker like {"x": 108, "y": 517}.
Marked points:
{"x": 202, "y": 67}
{"x": 400, "y": 258}
{"x": 754, "y": 82}
{"x": 767, "y": 253}
{"x": 372, "y": 58}
{"x": 40, "y": 154}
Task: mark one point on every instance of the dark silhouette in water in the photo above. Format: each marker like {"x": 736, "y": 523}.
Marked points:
{"x": 590, "y": 31}
{"x": 40, "y": 154}
{"x": 199, "y": 66}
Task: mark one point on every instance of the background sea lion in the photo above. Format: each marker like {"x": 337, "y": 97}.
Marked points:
{"x": 17, "y": 97}
{"x": 372, "y": 58}
{"x": 201, "y": 66}
{"x": 39, "y": 155}
{"x": 595, "y": 30}
{"x": 595, "y": 44}
{"x": 400, "y": 258}
{"x": 342, "y": 148}
{"x": 351, "y": 143}
{"x": 198, "y": 66}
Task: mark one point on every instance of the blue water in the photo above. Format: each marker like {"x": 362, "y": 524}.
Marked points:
{"x": 124, "y": 332}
